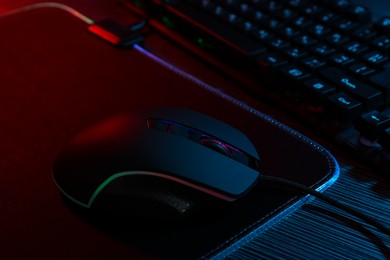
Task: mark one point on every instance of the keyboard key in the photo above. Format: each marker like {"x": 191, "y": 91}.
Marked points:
{"x": 256, "y": 17}
{"x": 344, "y": 107}
{"x": 286, "y": 14}
{"x": 327, "y": 16}
{"x": 262, "y": 34}
{"x": 359, "y": 13}
{"x": 364, "y": 33}
{"x": 382, "y": 81}
{"x": 313, "y": 63}
{"x": 355, "y": 47}
{"x": 278, "y": 43}
{"x": 295, "y": 53}
{"x": 318, "y": 89}
{"x": 271, "y": 6}
{"x": 312, "y": 10}
{"x": 383, "y": 24}
{"x": 298, "y": 3}
{"x": 372, "y": 125}
{"x": 245, "y": 26}
{"x": 341, "y": 59}
{"x": 294, "y": 72}
{"x": 272, "y": 24}
{"x": 382, "y": 42}
{"x": 345, "y": 25}
{"x": 323, "y": 49}
{"x": 288, "y": 32}
{"x": 371, "y": 97}
{"x": 243, "y": 9}
{"x": 318, "y": 30}
{"x": 375, "y": 58}
{"x": 340, "y": 4}
{"x": 270, "y": 60}
{"x": 302, "y": 22}
{"x": 337, "y": 38}
{"x": 231, "y": 18}
{"x": 361, "y": 69}
{"x": 305, "y": 40}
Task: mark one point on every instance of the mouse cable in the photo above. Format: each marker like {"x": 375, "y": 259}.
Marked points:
{"x": 336, "y": 203}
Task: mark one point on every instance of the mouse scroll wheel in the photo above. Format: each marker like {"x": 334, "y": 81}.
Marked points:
{"x": 216, "y": 145}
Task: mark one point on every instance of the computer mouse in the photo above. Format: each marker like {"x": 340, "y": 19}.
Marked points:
{"x": 167, "y": 163}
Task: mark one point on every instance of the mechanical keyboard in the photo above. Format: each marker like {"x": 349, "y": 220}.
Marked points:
{"x": 326, "y": 61}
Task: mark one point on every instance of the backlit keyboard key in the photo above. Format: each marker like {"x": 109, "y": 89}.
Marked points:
{"x": 371, "y": 97}
{"x": 375, "y": 58}
{"x": 361, "y": 69}
{"x": 345, "y": 107}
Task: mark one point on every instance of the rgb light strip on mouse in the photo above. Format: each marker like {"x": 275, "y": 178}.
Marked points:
{"x": 204, "y": 139}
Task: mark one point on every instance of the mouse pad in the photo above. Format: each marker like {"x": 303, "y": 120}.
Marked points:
{"x": 56, "y": 80}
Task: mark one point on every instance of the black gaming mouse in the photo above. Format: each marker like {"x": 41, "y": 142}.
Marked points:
{"x": 159, "y": 163}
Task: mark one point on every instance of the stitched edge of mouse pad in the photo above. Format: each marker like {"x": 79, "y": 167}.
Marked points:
{"x": 66, "y": 39}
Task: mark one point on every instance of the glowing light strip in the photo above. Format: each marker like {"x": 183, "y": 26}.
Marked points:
{"x": 144, "y": 173}
{"x": 69, "y": 9}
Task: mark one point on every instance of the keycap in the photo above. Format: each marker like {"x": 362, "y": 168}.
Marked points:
{"x": 341, "y": 59}
{"x": 302, "y": 22}
{"x": 323, "y": 49}
{"x": 360, "y": 13}
{"x": 382, "y": 81}
{"x": 318, "y": 30}
{"x": 298, "y": 3}
{"x": 339, "y": 4}
{"x": 231, "y": 18}
{"x": 364, "y": 33}
{"x": 294, "y": 72}
{"x": 372, "y": 125}
{"x": 375, "y": 58}
{"x": 344, "y": 107}
{"x": 383, "y": 24}
{"x": 313, "y": 63}
{"x": 295, "y": 52}
{"x": 272, "y": 24}
{"x": 286, "y": 14}
{"x": 382, "y": 42}
{"x": 317, "y": 88}
{"x": 243, "y": 9}
{"x": 337, "y": 38}
{"x": 271, "y": 6}
{"x": 312, "y": 10}
{"x": 355, "y": 47}
{"x": 305, "y": 40}
{"x": 384, "y": 140}
{"x": 270, "y": 60}
{"x": 327, "y": 16}
{"x": 288, "y": 31}
{"x": 370, "y": 97}
{"x": 262, "y": 34}
{"x": 361, "y": 69}
{"x": 245, "y": 26}
{"x": 278, "y": 43}
{"x": 267, "y": 64}
{"x": 256, "y": 17}
{"x": 345, "y": 25}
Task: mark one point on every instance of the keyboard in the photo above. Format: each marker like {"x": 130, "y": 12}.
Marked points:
{"x": 327, "y": 61}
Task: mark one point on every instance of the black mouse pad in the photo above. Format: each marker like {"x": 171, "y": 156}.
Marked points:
{"x": 56, "y": 80}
